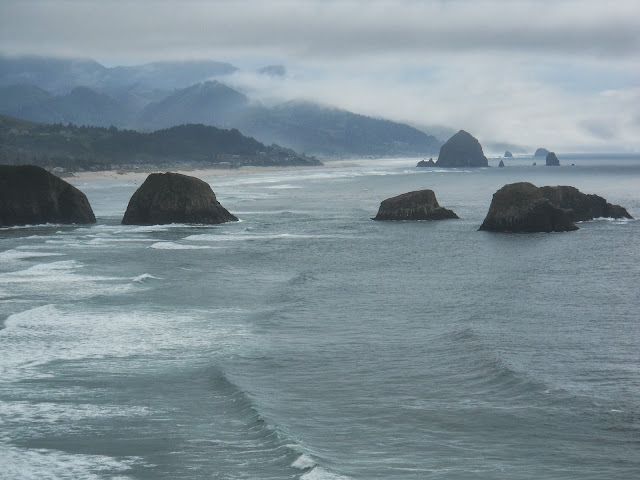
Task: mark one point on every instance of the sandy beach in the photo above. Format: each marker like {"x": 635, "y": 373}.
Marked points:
{"x": 141, "y": 174}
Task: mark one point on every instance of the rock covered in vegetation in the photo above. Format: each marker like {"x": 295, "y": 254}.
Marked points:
{"x": 522, "y": 208}
{"x": 583, "y": 206}
{"x": 417, "y": 205}
{"x": 462, "y": 150}
{"x": 423, "y": 163}
{"x": 541, "y": 152}
{"x": 175, "y": 198}
{"x": 552, "y": 160}
{"x": 30, "y": 195}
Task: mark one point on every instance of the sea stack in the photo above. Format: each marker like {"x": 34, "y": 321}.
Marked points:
{"x": 175, "y": 198}
{"x": 541, "y": 152}
{"x": 30, "y": 195}
{"x": 423, "y": 163}
{"x": 552, "y": 160}
{"x": 522, "y": 208}
{"x": 501, "y": 164}
{"x": 508, "y": 154}
{"x": 417, "y": 205}
{"x": 462, "y": 150}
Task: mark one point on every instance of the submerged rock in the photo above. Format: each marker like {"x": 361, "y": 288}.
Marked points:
{"x": 423, "y": 163}
{"x": 462, "y": 150}
{"x": 552, "y": 160}
{"x": 508, "y": 154}
{"x": 417, "y": 205}
{"x": 582, "y": 206}
{"x": 522, "y": 208}
{"x": 541, "y": 152}
{"x": 175, "y": 198}
{"x": 30, "y": 195}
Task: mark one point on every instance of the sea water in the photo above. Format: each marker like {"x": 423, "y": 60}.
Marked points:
{"x": 308, "y": 342}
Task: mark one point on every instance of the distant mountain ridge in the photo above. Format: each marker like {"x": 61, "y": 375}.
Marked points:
{"x": 165, "y": 94}
{"x": 73, "y": 148}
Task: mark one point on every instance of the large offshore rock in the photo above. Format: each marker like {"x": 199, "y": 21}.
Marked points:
{"x": 418, "y": 205}
{"x": 522, "y": 208}
{"x": 175, "y": 198}
{"x": 583, "y": 206}
{"x": 462, "y": 150}
{"x": 552, "y": 160}
{"x": 541, "y": 152}
{"x": 508, "y": 154}
{"x": 30, "y": 195}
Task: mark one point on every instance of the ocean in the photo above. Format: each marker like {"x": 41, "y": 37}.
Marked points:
{"x": 307, "y": 341}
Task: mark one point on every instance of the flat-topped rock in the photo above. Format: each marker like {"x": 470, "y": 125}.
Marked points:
{"x": 582, "y": 206}
{"x": 30, "y": 195}
{"x": 175, "y": 198}
{"x": 522, "y": 208}
{"x": 462, "y": 150}
{"x": 417, "y": 205}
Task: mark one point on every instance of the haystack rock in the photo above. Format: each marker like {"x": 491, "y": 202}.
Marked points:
{"x": 552, "y": 160}
{"x": 522, "y": 208}
{"x": 174, "y": 198}
{"x": 541, "y": 152}
{"x": 30, "y": 195}
{"x": 508, "y": 154}
{"x": 462, "y": 150}
{"x": 582, "y": 206}
{"x": 423, "y": 163}
{"x": 418, "y": 205}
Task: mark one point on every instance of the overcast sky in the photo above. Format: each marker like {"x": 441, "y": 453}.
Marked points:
{"x": 564, "y": 74}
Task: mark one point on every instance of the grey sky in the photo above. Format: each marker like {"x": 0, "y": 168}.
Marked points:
{"x": 553, "y": 73}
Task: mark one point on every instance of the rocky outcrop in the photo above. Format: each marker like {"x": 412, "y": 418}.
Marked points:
{"x": 462, "y": 150}
{"x": 423, "y": 163}
{"x": 174, "y": 198}
{"x": 522, "y": 208}
{"x": 30, "y": 195}
{"x": 552, "y": 160}
{"x": 582, "y": 206}
{"x": 508, "y": 154}
{"x": 501, "y": 164}
{"x": 418, "y": 205}
{"x": 541, "y": 152}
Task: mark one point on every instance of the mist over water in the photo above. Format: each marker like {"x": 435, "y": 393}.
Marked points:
{"x": 307, "y": 341}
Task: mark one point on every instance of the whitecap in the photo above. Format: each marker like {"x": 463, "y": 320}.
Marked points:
{"x": 145, "y": 276}
{"x": 319, "y": 473}
{"x": 304, "y": 462}
{"x": 177, "y": 246}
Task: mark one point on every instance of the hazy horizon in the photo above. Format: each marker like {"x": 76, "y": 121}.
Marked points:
{"x": 563, "y": 75}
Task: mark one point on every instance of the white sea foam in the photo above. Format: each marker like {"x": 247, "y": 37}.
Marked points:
{"x": 319, "y": 473}
{"x": 145, "y": 276}
{"x": 43, "y": 464}
{"x": 304, "y": 462}
{"x": 177, "y": 246}
{"x": 10, "y": 255}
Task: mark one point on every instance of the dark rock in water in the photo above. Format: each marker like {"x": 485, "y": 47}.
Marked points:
{"x": 541, "y": 152}
{"x": 508, "y": 154}
{"x": 522, "y": 208}
{"x": 534, "y": 164}
{"x": 174, "y": 198}
{"x": 582, "y": 206}
{"x": 430, "y": 163}
{"x": 418, "y": 205}
{"x": 552, "y": 160}
{"x": 462, "y": 150}
{"x": 501, "y": 164}
{"x": 30, "y": 195}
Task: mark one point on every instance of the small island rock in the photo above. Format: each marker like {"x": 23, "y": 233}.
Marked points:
{"x": 508, "y": 154}
{"x": 541, "y": 152}
{"x": 175, "y": 198}
{"x": 552, "y": 160}
{"x": 423, "y": 163}
{"x": 417, "y": 205}
{"x": 30, "y": 195}
{"x": 462, "y": 150}
{"x": 522, "y": 208}
{"x": 501, "y": 164}
{"x": 582, "y": 206}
